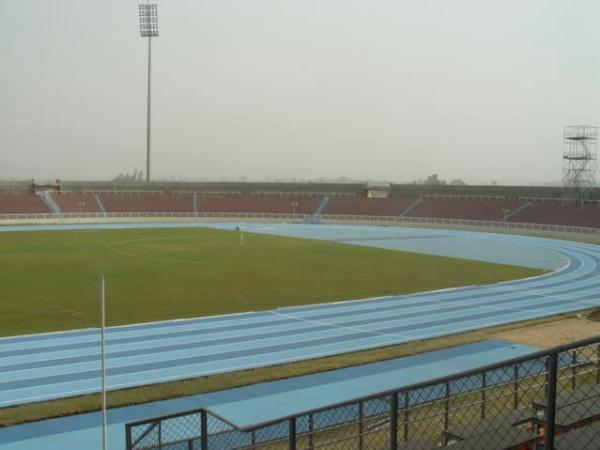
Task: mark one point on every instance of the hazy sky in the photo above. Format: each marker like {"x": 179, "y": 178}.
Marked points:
{"x": 381, "y": 89}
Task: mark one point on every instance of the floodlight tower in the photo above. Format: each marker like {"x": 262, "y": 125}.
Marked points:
{"x": 148, "y": 13}
{"x": 580, "y": 148}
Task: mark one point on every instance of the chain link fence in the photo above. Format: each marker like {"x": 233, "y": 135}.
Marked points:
{"x": 547, "y": 400}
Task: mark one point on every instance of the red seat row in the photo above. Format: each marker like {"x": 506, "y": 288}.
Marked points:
{"x": 488, "y": 210}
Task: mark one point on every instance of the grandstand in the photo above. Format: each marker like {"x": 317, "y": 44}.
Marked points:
{"x": 559, "y": 214}
{"x": 495, "y": 402}
{"x": 512, "y": 205}
{"x": 369, "y": 206}
{"x": 76, "y": 203}
{"x": 452, "y": 208}
{"x": 146, "y": 202}
{"x": 258, "y": 204}
{"x": 21, "y": 203}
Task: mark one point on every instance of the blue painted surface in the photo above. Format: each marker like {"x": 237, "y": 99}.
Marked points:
{"x": 253, "y": 404}
{"x": 264, "y": 403}
{"x": 459, "y": 244}
{"x": 61, "y": 364}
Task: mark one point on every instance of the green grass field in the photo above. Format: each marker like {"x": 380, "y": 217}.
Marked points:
{"x": 49, "y": 280}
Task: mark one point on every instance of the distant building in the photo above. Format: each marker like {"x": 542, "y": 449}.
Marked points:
{"x": 378, "y": 190}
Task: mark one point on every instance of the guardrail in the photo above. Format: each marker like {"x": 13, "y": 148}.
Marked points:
{"x": 66, "y": 217}
{"x": 549, "y": 399}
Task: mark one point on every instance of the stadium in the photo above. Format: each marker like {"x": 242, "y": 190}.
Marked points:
{"x": 226, "y": 324}
{"x": 288, "y": 271}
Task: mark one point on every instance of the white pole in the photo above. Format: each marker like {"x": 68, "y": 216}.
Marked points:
{"x": 103, "y": 364}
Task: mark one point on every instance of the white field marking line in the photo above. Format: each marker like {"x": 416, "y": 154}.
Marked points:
{"x": 406, "y": 337}
{"x": 471, "y": 304}
{"x": 240, "y": 367}
{"x": 217, "y": 351}
{"x": 110, "y": 248}
{"x": 444, "y": 301}
{"x": 47, "y": 333}
{"x": 276, "y": 361}
{"x": 62, "y": 334}
{"x": 151, "y": 258}
{"x": 454, "y": 303}
{"x": 355, "y": 329}
{"x": 469, "y": 286}
{"x": 57, "y": 334}
{"x": 558, "y": 297}
{"x": 390, "y": 297}
{"x": 154, "y": 379}
{"x": 183, "y": 319}
{"x": 578, "y": 255}
{"x": 568, "y": 258}
{"x": 166, "y": 355}
{"x": 332, "y": 325}
{"x": 233, "y": 316}
{"x": 150, "y": 380}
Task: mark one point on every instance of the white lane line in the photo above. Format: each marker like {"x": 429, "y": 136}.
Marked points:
{"x": 490, "y": 305}
{"x": 429, "y": 313}
{"x": 192, "y": 374}
{"x": 332, "y": 325}
{"x": 552, "y": 296}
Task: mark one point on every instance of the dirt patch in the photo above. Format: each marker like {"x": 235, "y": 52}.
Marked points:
{"x": 555, "y": 333}
{"x": 595, "y": 315}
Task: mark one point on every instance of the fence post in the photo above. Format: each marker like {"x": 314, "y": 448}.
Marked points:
{"x": 203, "y": 430}
{"x": 128, "y": 445}
{"x": 447, "y": 406}
{"x": 516, "y": 393}
{"x": 293, "y": 433}
{"x": 552, "y": 367}
{"x": 394, "y": 422}
{"x": 574, "y": 369}
{"x": 361, "y": 414}
{"x": 160, "y": 434}
{"x": 311, "y": 428}
{"x": 483, "y": 394}
{"x": 598, "y": 364}
{"x": 406, "y": 415}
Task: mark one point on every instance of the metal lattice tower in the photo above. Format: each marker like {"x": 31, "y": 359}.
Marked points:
{"x": 580, "y": 148}
{"x": 148, "y": 13}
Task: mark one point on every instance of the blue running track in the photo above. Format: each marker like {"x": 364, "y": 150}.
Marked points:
{"x": 266, "y": 401}
{"x": 40, "y": 367}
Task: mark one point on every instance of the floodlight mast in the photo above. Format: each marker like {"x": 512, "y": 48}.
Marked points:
{"x": 148, "y": 13}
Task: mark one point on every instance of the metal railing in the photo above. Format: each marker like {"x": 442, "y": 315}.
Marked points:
{"x": 536, "y": 401}
{"x": 73, "y": 217}
{"x": 103, "y": 217}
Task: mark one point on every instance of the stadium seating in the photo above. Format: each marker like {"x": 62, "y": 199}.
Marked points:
{"x": 368, "y": 206}
{"x": 22, "y": 204}
{"x": 143, "y": 202}
{"x": 464, "y": 209}
{"x": 447, "y": 207}
{"x": 76, "y": 203}
{"x": 557, "y": 214}
{"x": 257, "y": 204}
